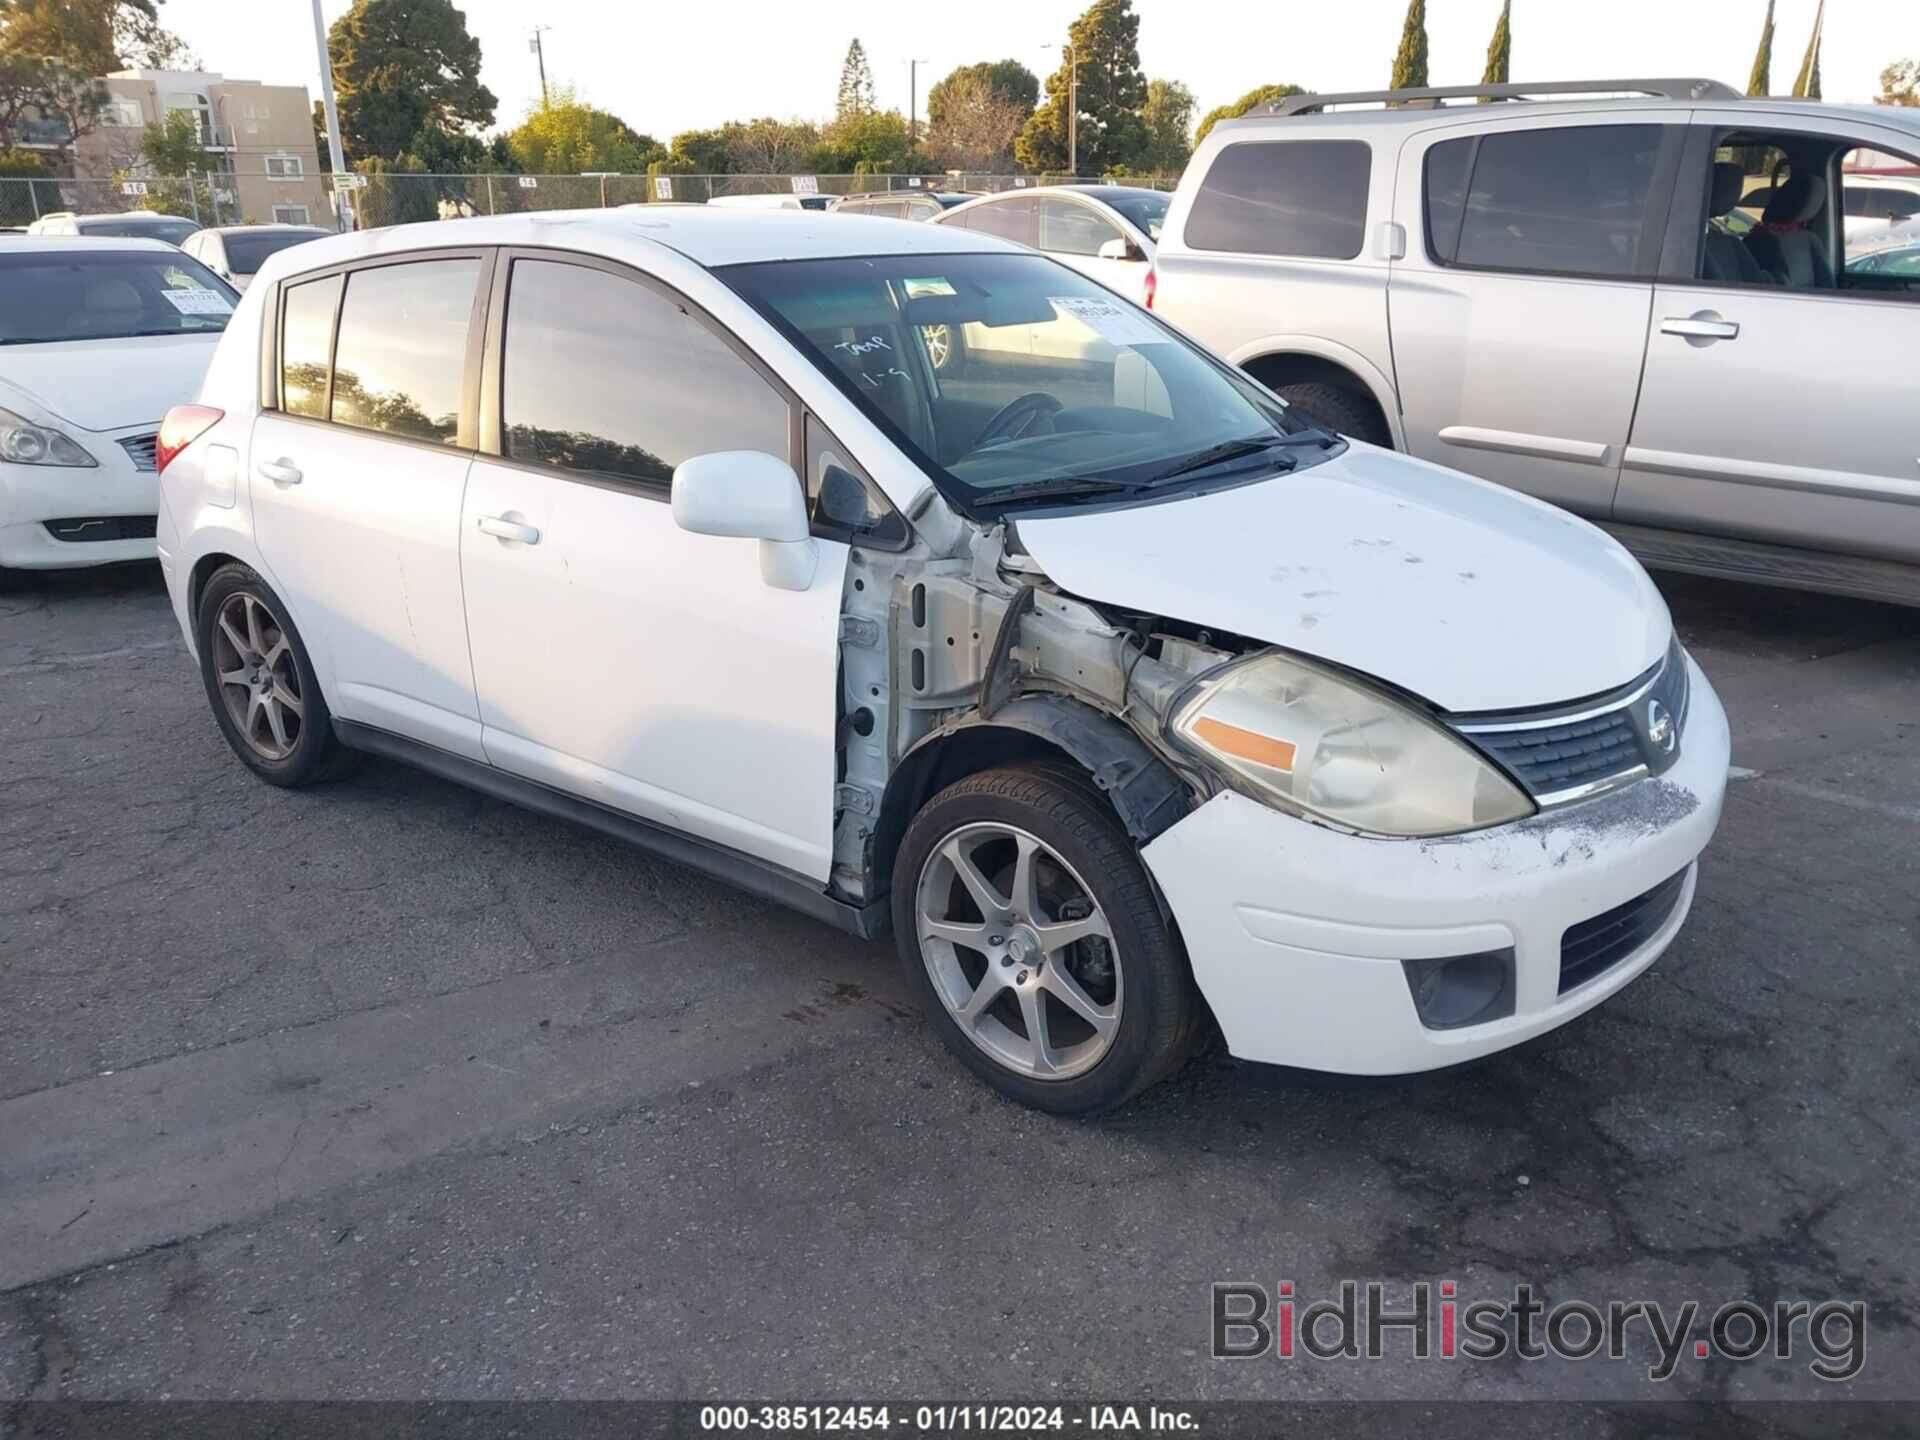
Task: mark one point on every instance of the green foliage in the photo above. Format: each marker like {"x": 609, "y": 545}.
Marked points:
{"x": 701, "y": 152}
{"x": 1500, "y": 49}
{"x": 1806, "y": 85}
{"x": 388, "y": 200}
{"x": 1168, "y": 116}
{"x": 1008, "y": 79}
{"x": 22, "y": 165}
{"x": 567, "y": 136}
{"x": 1410, "y": 60}
{"x": 856, "y": 84}
{"x": 1900, "y": 84}
{"x": 173, "y": 146}
{"x": 873, "y": 143}
{"x": 1112, "y": 93}
{"x": 400, "y": 67}
{"x": 1252, "y": 100}
{"x": 1760, "y": 81}
{"x": 51, "y": 52}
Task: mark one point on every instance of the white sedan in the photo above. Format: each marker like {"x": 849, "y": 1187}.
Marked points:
{"x": 1127, "y": 702}
{"x": 98, "y": 339}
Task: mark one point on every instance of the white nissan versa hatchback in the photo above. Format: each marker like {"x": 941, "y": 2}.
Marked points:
{"x": 1120, "y": 695}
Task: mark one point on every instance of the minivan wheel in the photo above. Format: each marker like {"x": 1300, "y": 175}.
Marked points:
{"x": 1336, "y": 408}
{"x": 261, "y": 683}
{"x": 1026, "y": 921}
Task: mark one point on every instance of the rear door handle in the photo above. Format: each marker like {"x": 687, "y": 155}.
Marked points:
{"x": 281, "y": 472}
{"x": 1706, "y": 326}
{"x": 502, "y": 528}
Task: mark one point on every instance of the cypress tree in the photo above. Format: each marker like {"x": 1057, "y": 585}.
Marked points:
{"x": 1806, "y": 85}
{"x": 1410, "y": 62}
{"x": 1500, "y": 49}
{"x": 1758, "y": 82}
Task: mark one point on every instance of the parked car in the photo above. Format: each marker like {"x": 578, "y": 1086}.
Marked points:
{"x": 1114, "y": 691}
{"x": 900, "y": 204}
{"x": 1106, "y": 232}
{"x": 235, "y": 252}
{"x": 133, "y": 224}
{"x": 773, "y": 202}
{"x": 98, "y": 339}
{"x": 1876, "y": 202}
{"x": 1900, "y": 260}
{"x": 1547, "y": 295}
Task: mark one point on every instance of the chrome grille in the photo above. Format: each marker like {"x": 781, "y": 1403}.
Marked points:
{"x": 1569, "y": 752}
{"x": 140, "y": 449}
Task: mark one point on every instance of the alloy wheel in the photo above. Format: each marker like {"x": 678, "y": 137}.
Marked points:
{"x": 939, "y": 340}
{"x": 259, "y": 682}
{"x": 1019, "y": 951}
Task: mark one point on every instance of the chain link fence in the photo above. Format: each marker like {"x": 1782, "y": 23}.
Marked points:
{"x": 394, "y": 198}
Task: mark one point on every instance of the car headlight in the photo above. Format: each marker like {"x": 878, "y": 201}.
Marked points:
{"x": 24, "y": 443}
{"x": 1314, "y": 742}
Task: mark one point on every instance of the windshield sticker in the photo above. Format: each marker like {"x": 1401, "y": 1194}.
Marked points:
{"x": 921, "y": 289}
{"x": 1114, "y": 321}
{"x": 199, "y": 302}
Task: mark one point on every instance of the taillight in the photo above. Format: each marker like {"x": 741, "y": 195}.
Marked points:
{"x": 1152, "y": 285}
{"x": 184, "y": 425}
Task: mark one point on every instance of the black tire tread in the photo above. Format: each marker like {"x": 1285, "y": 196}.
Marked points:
{"x": 1340, "y": 409}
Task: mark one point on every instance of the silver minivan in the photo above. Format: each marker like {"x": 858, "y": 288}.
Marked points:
{"x": 1649, "y": 310}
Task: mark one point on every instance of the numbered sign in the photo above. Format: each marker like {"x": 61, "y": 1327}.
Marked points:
{"x": 527, "y": 182}
{"x": 349, "y": 182}
{"x": 1020, "y": 182}
{"x": 662, "y": 187}
{"x": 134, "y": 187}
{"x": 913, "y": 182}
{"x": 806, "y": 185}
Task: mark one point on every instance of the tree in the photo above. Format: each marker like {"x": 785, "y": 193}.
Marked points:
{"x": 567, "y": 136}
{"x": 141, "y": 40}
{"x": 1168, "y": 116}
{"x": 770, "y": 147}
{"x": 400, "y": 66}
{"x": 173, "y": 147}
{"x": 978, "y": 122}
{"x": 1410, "y": 60}
{"x": 1806, "y": 85}
{"x": 1252, "y": 100}
{"x": 701, "y": 152}
{"x": 52, "y": 53}
{"x": 1500, "y": 49}
{"x": 1006, "y": 80}
{"x": 1112, "y": 92}
{"x": 1900, "y": 84}
{"x": 874, "y": 143}
{"x": 1759, "y": 82}
{"x": 856, "y": 83}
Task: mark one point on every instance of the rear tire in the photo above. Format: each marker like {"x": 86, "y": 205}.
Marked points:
{"x": 1336, "y": 408}
{"x": 260, "y": 682}
{"x": 1076, "y": 955}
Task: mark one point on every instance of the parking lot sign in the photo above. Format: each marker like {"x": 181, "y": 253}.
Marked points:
{"x": 528, "y": 182}
{"x": 663, "y": 187}
{"x": 806, "y": 185}
{"x": 133, "y": 187}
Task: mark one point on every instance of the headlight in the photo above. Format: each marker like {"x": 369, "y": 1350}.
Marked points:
{"x": 24, "y": 443}
{"x": 1310, "y": 741}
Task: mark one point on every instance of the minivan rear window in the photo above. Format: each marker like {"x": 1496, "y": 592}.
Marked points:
{"x": 1305, "y": 198}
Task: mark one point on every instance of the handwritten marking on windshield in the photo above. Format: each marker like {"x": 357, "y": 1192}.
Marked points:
{"x": 863, "y": 347}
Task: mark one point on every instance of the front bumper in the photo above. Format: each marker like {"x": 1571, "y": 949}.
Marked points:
{"x": 31, "y": 495}
{"x": 1297, "y": 933}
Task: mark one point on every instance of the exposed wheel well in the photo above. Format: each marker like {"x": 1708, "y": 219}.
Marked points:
{"x": 1274, "y": 371}
{"x": 203, "y": 569}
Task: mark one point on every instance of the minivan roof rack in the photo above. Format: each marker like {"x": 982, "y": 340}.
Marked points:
{"x": 1681, "y": 88}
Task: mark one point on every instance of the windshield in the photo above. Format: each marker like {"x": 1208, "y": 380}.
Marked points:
{"x": 52, "y": 294}
{"x": 1145, "y": 209}
{"x": 247, "y": 251}
{"x": 1015, "y": 380}
{"x": 169, "y": 230}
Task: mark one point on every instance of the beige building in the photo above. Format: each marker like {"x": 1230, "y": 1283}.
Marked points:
{"x": 259, "y": 140}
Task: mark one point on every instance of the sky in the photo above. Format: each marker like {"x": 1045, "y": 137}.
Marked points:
{"x": 665, "y": 66}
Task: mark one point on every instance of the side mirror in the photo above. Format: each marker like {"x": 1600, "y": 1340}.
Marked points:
{"x": 1121, "y": 249}
{"x": 749, "y": 495}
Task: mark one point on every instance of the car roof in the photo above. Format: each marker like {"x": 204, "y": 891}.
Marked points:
{"x": 136, "y": 217}
{"x": 256, "y": 229}
{"x": 41, "y": 244}
{"x": 1243, "y": 127}
{"x": 708, "y": 235}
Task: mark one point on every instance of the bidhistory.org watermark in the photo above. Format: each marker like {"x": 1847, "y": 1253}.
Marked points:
{"x": 1433, "y": 1321}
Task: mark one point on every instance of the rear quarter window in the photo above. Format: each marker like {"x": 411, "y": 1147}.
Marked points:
{"x": 1303, "y": 198}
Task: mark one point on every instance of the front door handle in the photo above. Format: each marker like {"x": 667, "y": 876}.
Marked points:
{"x": 281, "y": 472}
{"x": 501, "y": 528}
{"x": 1704, "y": 326}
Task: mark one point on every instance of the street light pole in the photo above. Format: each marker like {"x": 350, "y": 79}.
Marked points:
{"x": 913, "y": 101}
{"x": 540, "y": 56}
{"x": 342, "y": 214}
{"x": 1073, "y": 107}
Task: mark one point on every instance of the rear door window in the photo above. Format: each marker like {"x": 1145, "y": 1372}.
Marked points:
{"x": 1067, "y": 228}
{"x": 306, "y": 346}
{"x": 1570, "y": 201}
{"x": 1009, "y": 219}
{"x": 1305, "y": 198}
{"x": 400, "y": 361}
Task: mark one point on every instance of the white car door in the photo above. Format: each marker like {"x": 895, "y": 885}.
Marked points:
{"x": 357, "y": 483}
{"x": 617, "y": 656}
{"x": 1075, "y": 232}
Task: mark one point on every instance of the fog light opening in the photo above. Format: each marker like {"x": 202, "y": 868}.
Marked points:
{"x": 1455, "y": 991}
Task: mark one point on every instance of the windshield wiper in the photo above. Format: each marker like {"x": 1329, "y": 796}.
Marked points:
{"x": 1064, "y": 489}
{"x": 1226, "y": 450}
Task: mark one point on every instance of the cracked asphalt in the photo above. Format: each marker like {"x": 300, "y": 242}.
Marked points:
{"x": 387, "y": 1090}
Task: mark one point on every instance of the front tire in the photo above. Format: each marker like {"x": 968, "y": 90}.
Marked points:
{"x": 1027, "y": 925}
{"x": 261, "y": 684}
{"x": 1336, "y": 408}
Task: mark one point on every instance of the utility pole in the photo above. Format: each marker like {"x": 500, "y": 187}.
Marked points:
{"x": 540, "y": 55}
{"x": 343, "y": 215}
{"x": 1073, "y": 107}
{"x": 913, "y": 100}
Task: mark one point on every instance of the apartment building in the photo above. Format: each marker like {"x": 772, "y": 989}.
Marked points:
{"x": 259, "y": 140}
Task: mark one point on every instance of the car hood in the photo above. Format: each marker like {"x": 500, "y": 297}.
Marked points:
{"x": 108, "y": 384}
{"x": 1470, "y": 596}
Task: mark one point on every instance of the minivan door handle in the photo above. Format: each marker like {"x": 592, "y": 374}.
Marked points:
{"x": 1704, "y": 326}
{"x": 281, "y": 472}
{"x": 501, "y": 528}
